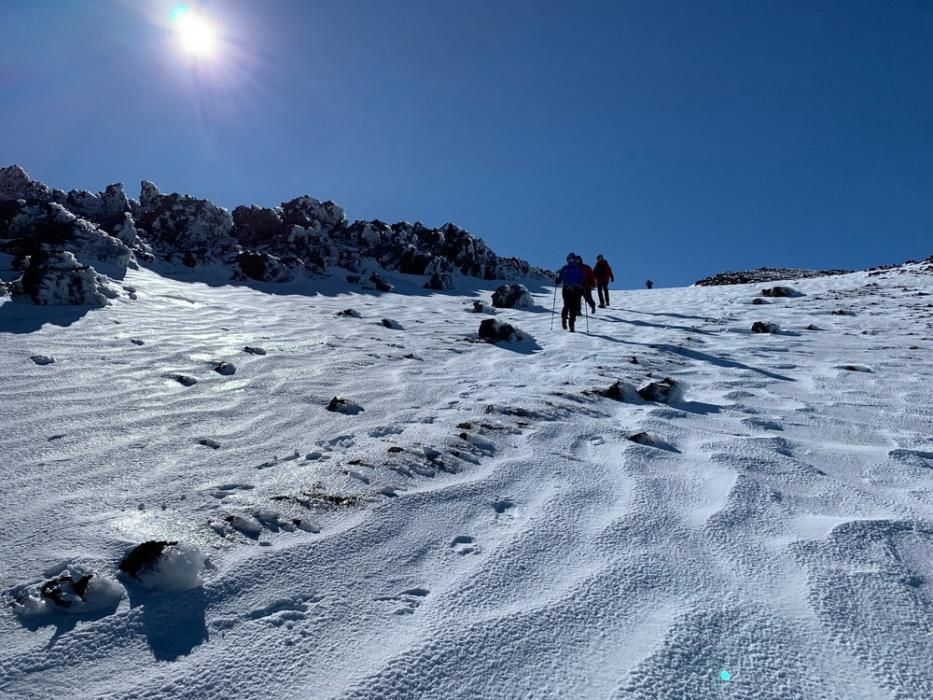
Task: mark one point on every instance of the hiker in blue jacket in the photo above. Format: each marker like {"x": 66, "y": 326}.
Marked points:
{"x": 571, "y": 276}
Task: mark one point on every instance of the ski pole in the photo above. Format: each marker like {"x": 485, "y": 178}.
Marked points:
{"x": 553, "y": 307}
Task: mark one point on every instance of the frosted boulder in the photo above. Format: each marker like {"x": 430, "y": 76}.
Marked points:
{"x": 512, "y": 296}
{"x": 497, "y": 331}
{"x": 54, "y": 279}
{"x": 48, "y": 226}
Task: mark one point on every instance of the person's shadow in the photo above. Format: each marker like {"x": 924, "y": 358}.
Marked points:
{"x": 173, "y": 621}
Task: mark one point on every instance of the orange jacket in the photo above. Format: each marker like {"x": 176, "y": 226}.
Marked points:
{"x": 589, "y": 279}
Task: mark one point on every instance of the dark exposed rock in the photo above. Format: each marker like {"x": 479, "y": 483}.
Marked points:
{"x": 380, "y": 283}
{"x": 765, "y": 274}
{"x": 758, "y": 300}
{"x": 780, "y": 292}
{"x": 64, "y": 591}
{"x": 440, "y": 281}
{"x": 393, "y": 324}
{"x": 225, "y": 368}
{"x": 765, "y": 327}
{"x": 263, "y": 267}
{"x": 651, "y": 440}
{"x": 352, "y": 313}
{"x": 16, "y": 184}
{"x": 182, "y": 379}
{"x": 665, "y": 391}
{"x": 257, "y": 226}
{"x": 497, "y": 331}
{"x": 512, "y": 296}
{"x": 254, "y": 350}
{"x": 616, "y": 392}
{"x": 144, "y": 557}
{"x": 338, "y": 404}
{"x": 42, "y": 359}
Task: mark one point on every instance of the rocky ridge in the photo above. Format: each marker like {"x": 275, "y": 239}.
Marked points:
{"x": 70, "y": 245}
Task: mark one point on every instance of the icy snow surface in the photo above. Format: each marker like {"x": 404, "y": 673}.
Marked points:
{"x": 483, "y": 527}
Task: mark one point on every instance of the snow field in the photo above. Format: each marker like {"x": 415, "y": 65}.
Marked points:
{"x": 482, "y": 528}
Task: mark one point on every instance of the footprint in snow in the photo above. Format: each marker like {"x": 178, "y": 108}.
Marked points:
{"x": 464, "y": 544}
{"x": 408, "y": 600}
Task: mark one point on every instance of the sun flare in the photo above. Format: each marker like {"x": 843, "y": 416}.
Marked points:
{"x": 197, "y": 37}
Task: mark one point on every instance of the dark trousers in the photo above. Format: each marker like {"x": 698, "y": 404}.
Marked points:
{"x": 588, "y": 295}
{"x": 572, "y": 297}
{"x": 603, "y": 289}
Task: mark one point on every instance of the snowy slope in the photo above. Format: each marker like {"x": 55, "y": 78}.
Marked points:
{"x": 507, "y": 539}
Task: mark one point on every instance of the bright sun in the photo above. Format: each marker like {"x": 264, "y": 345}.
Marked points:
{"x": 196, "y": 36}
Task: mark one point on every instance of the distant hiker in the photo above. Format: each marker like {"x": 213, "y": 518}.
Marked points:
{"x": 603, "y": 277}
{"x": 649, "y": 284}
{"x": 571, "y": 276}
{"x": 589, "y": 281}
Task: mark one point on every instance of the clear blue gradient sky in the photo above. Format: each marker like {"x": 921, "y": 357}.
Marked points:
{"x": 679, "y": 138}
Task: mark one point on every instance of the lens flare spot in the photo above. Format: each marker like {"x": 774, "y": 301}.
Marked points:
{"x": 725, "y": 676}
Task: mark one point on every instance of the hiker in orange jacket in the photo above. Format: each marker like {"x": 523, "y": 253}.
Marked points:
{"x": 589, "y": 281}
{"x": 603, "y": 277}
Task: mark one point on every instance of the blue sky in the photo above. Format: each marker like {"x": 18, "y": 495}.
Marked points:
{"x": 677, "y": 138}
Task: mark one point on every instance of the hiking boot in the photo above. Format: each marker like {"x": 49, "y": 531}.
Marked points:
{"x": 593, "y": 309}
{"x": 563, "y": 323}
{"x": 602, "y": 306}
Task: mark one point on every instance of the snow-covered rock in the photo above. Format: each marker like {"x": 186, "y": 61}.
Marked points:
{"x": 185, "y": 229}
{"x": 53, "y": 279}
{"x": 496, "y": 331}
{"x": 49, "y": 226}
{"x": 665, "y": 391}
{"x": 72, "y": 589}
{"x": 106, "y": 209}
{"x": 512, "y": 296}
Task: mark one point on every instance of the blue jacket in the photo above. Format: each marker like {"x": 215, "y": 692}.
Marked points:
{"x": 571, "y": 275}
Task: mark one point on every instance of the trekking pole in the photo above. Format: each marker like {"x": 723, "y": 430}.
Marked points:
{"x": 586, "y": 315}
{"x": 553, "y": 307}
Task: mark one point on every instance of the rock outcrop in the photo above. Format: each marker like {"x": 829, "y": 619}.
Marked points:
{"x": 765, "y": 274}
{"x": 302, "y": 236}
